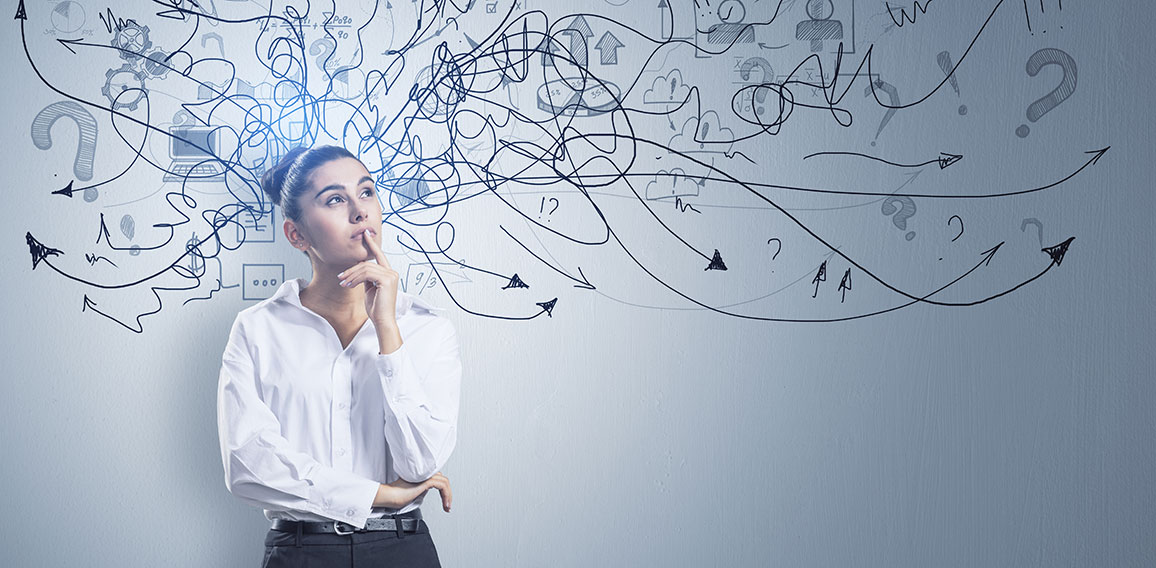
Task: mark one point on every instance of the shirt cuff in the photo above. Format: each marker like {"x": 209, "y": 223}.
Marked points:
{"x": 349, "y": 498}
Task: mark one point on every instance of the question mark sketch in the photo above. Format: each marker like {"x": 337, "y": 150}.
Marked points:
{"x": 85, "y": 123}
{"x": 758, "y": 93}
{"x": 1043, "y": 105}
{"x": 960, "y": 226}
{"x": 322, "y": 48}
{"x": 1037, "y": 223}
{"x": 182, "y": 117}
{"x": 780, "y": 247}
{"x": 905, "y": 211}
{"x": 217, "y": 37}
{"x": 893, "y": 95}
{"x": 543, "y": 206}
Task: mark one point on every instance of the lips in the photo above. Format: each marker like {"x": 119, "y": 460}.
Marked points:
{"x": 357, "y": 235}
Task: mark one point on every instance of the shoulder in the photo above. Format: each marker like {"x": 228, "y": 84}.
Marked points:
{"x": 426, "y": 320}
{"x": 262, "y": 322}
{"x": 250, "y": 315}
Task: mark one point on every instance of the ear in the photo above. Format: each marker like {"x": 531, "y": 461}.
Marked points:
{"x": 296, "y": 235}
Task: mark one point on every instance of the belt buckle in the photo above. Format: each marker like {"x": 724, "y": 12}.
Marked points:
{"x": 337, "y": 528}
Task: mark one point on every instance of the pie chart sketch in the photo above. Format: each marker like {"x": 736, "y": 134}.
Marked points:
{"x": 560, "y": 97}
{"x": 348, "y": 83}
{"x": 68, "y": 16}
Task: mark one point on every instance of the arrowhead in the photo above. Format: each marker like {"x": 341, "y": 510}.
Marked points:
{"x": 69, "y": 42}
{"x": 946, "y": 159}
{"x": 548, "y": 306}
{"x": 662, "y": 4}
{"x": 1098, "y": 154}
{"x": 581, "y": 26}
{"x": 87, "y": 303}
{"x": 20, "y": 15}
{"x": 66, "y": 190}
{"x": 585, "y": 281}
{"x": 990, "y": 253}
{"x": 37, "y": 250}
{"x": 608, "y": 41}
{"x": 716, "y": 263}
{"x": 1057, "y": 252}
{"x": 470, "y": 40}
{"x": 515, "y": 282}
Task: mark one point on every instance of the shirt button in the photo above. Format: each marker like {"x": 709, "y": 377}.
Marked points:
{"x": 341, "y": 406}
{"x": 341, "y": 451}
{"x": 350, "y": 512}
{"x": 389, "y": 372}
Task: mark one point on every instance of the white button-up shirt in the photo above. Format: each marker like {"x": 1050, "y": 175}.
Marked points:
{"x": 308, "y": 430}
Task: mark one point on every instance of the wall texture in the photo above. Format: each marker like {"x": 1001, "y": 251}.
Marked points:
{"x": 738, "y": 283}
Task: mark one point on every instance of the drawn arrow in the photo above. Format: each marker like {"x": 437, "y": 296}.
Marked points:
{"x": 583, "y": 283}
{"x": 943, "y": 160}
{"x": 725, "y": 177}
{"x": 608, "y": 48}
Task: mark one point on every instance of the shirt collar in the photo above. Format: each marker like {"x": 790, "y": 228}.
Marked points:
{"x": 290, "y": 291}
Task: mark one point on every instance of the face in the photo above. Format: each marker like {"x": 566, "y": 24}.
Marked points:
{"x": 705, "y": 19}
{"x": 339, "y": 204}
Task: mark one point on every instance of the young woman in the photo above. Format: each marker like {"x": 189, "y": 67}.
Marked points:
{"x": 338, "y": 399}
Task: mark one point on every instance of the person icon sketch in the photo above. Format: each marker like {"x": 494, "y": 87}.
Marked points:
{"x": 820, "y": 26}
{"x": 338, "y": 398}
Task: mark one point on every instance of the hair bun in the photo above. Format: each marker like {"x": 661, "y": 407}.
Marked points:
{"x": 272, "y": 183}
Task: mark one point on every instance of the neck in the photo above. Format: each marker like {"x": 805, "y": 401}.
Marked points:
{"x": 325, "y": 293}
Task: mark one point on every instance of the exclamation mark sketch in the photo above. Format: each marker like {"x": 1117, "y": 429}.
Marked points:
{"x": 944, "y": 59}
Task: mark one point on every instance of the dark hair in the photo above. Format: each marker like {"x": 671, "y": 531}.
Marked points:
{"x": 285, "y": 182}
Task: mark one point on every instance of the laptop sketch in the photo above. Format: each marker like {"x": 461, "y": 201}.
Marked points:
{"x": 190, "y": 162}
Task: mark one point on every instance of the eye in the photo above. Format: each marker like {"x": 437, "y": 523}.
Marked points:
{"x": 330, "y": 200}
{"x": 368, "y": 191}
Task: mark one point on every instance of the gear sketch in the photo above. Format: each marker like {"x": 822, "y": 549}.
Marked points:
{"x": 118, "y": 81}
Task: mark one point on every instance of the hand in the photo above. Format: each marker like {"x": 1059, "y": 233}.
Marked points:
{"x": 380, "y": 283}
{"x": 401, "y": 492}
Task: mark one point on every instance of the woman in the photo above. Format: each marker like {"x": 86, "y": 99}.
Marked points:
{"x": 338, "y": 400}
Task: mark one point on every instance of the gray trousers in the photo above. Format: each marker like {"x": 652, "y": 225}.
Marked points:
{"x": 358, "y": 550}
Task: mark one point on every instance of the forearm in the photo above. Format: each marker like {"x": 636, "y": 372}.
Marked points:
{"x": 388, "y": 337}
{"x": 421, "y": 407}
{"x": 382, "y": 497}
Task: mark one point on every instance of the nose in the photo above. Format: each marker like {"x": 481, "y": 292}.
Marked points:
{"x": 360, "y": 209}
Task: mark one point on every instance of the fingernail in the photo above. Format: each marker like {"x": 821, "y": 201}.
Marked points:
{"x": 340, "y": 274}
{"x": 342, "y": 282}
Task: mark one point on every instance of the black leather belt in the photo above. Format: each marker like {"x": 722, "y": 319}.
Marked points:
{"x": 405, "y": 522}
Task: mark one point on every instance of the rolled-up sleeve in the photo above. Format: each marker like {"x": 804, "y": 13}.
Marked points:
{"x": 261, "y": 466}
{"x": 421, "y": 412}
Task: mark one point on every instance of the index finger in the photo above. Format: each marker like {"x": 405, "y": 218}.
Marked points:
{"x": 374, "y": 250}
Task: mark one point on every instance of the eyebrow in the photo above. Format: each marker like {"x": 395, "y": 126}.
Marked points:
{"x": 339, "y": 186}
